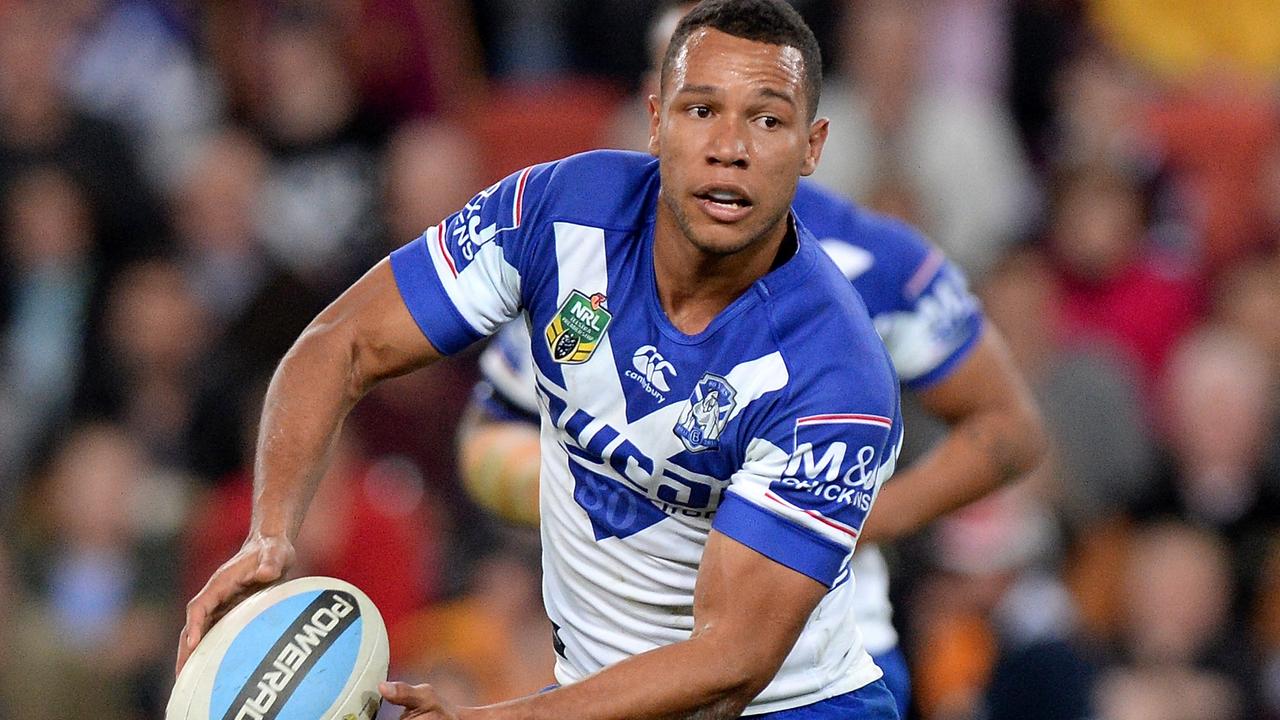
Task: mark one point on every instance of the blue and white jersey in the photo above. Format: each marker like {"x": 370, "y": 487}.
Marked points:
{"x": 776, "y": 425}
{"x": 921, "y": 306}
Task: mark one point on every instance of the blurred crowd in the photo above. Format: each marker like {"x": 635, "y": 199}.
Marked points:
{"x": 184, "y": 184}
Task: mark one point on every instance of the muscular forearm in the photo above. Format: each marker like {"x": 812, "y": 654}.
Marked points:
{"x": 312, "y": 390}
{"x": 979, "y": 454}
{"x": 748, "y": 612}
{"x": 365, "y": 336}
{"x": 695, "y": 679}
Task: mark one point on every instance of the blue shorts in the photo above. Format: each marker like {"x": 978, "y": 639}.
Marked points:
{"x": 869, "y": 702}
{"x": 896, "y": 677}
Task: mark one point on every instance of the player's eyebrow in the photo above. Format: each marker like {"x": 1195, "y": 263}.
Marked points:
{"x": 767, "y": 92}
{"x": 777, "y": 94}
{"x": 698, "y": 89}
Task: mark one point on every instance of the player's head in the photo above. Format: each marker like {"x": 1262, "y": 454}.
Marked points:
{"x": 733, "y": 124}
{"x": 773, "y": 22}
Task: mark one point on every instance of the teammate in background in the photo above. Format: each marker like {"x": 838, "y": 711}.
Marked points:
{"x": 941, "y": 346}
{"x": 696, "y": 564}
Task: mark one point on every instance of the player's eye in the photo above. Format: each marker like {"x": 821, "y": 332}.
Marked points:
{"x": 768, "y": 122}
{"x": 700, "y": 111}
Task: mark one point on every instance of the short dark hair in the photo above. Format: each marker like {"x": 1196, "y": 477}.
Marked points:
{"x": 768, "y": 21}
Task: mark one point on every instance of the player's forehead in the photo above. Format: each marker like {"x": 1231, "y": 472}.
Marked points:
{"x": 711, "y": 60}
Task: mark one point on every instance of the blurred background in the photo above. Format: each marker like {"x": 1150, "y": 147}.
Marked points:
{"x": 184, "y": 184}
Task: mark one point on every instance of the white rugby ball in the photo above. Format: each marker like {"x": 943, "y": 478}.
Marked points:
{"x": 314, "y": 648}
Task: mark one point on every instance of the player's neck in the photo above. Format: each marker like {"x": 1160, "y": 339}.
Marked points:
{"x": 695, "y": 285}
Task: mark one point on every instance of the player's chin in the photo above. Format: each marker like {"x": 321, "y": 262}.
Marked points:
{"x": 720, "y": 239}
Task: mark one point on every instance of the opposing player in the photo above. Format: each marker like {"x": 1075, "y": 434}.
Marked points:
{"x": 696, "y": 542}
{"x": 942, "y": 348}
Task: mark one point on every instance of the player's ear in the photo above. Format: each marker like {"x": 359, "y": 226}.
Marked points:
{"x": 655, "y": 118}
{"x": 817, "y": 139}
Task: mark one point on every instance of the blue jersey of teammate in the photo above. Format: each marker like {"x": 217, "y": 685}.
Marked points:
{"x": 776, "y": 425}
{"x": 921, "y": 307}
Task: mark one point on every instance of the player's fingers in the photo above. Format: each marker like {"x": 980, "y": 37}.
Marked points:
{"x": 184, "y": 652}
{"x": 228, "y": 582}
{"x": 197, "y": 617}
{"x": 256, "y": 565}
{"x": 197, "y": 621}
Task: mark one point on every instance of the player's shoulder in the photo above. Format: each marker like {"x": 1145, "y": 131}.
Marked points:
{"x": 878, "y": 253}
{"x": 822, "y": 326}
{"x": 600, "y": 188}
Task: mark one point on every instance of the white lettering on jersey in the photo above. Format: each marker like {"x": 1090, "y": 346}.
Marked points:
{"x": 651, "y": 371}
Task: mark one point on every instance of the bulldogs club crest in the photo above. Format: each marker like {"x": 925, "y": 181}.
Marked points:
{"x": 576, "y": 329}
{"x": 708, "y": 411}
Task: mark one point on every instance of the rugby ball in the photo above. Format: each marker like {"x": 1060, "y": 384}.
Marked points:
{"x": 314, "y": 648}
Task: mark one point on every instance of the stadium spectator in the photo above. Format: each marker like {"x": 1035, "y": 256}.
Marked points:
{"x": 431, "y": 169}
{"x": 1089, "y": 395}
{"x": 95, "y": 546}
{"x": 135, "y": 62}
{"x": 1221, "y": 407}
{"x": 150, "y": 369}
{"x": 1245, "y": 301}
{"x": 318, "y": 200}
{"x": 1179, "y": 656}
{"x": 994, "y": 628}
{"x": 246, "y": 299}
{"x": 40, "y": 126}
{"x": 412, "y": 60}
{"x": 957, "y": 154}
{"x": 216, "y": 207}
{"x": 1116, "y": 289}
{"x": 46, "y": 238}
{"x": 405, "y": 60}
{"x": 1100, "y": 115}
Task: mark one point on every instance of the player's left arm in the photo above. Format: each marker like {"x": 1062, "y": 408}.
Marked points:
{"x": 748, "y": 612}
{"x": 994, "y": 435}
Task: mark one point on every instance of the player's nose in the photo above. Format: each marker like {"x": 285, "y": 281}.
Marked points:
{"x": 727, "y": 145}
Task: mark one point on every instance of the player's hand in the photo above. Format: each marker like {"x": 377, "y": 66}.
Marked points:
{"x": 260, "y": 562}
{"x": 418, "y": 701}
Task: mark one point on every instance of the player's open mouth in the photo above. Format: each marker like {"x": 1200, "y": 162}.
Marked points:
{"x": 723, "y": 203}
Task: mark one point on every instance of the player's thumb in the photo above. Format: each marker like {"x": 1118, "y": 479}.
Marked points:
{"x": 394, "y": 692}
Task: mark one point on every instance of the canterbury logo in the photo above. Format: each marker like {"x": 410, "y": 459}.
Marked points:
{"x": 650, "y": 363}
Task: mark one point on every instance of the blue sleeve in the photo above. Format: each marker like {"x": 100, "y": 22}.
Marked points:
{"x": 920, "y": 300}
{"x": 461, "y": 279}
{"x": 802, "y": 498}
{"x": 937, "y": 325}
{"x": 815, "y": 458}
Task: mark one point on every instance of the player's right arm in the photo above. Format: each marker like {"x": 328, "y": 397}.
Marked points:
{"x": 366, "y": 335}
{"x": 455, "y": 284}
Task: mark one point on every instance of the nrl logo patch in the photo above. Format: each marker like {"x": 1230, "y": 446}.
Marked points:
{"x": 576, "y": 329}
{"x": 704, "y": 419}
